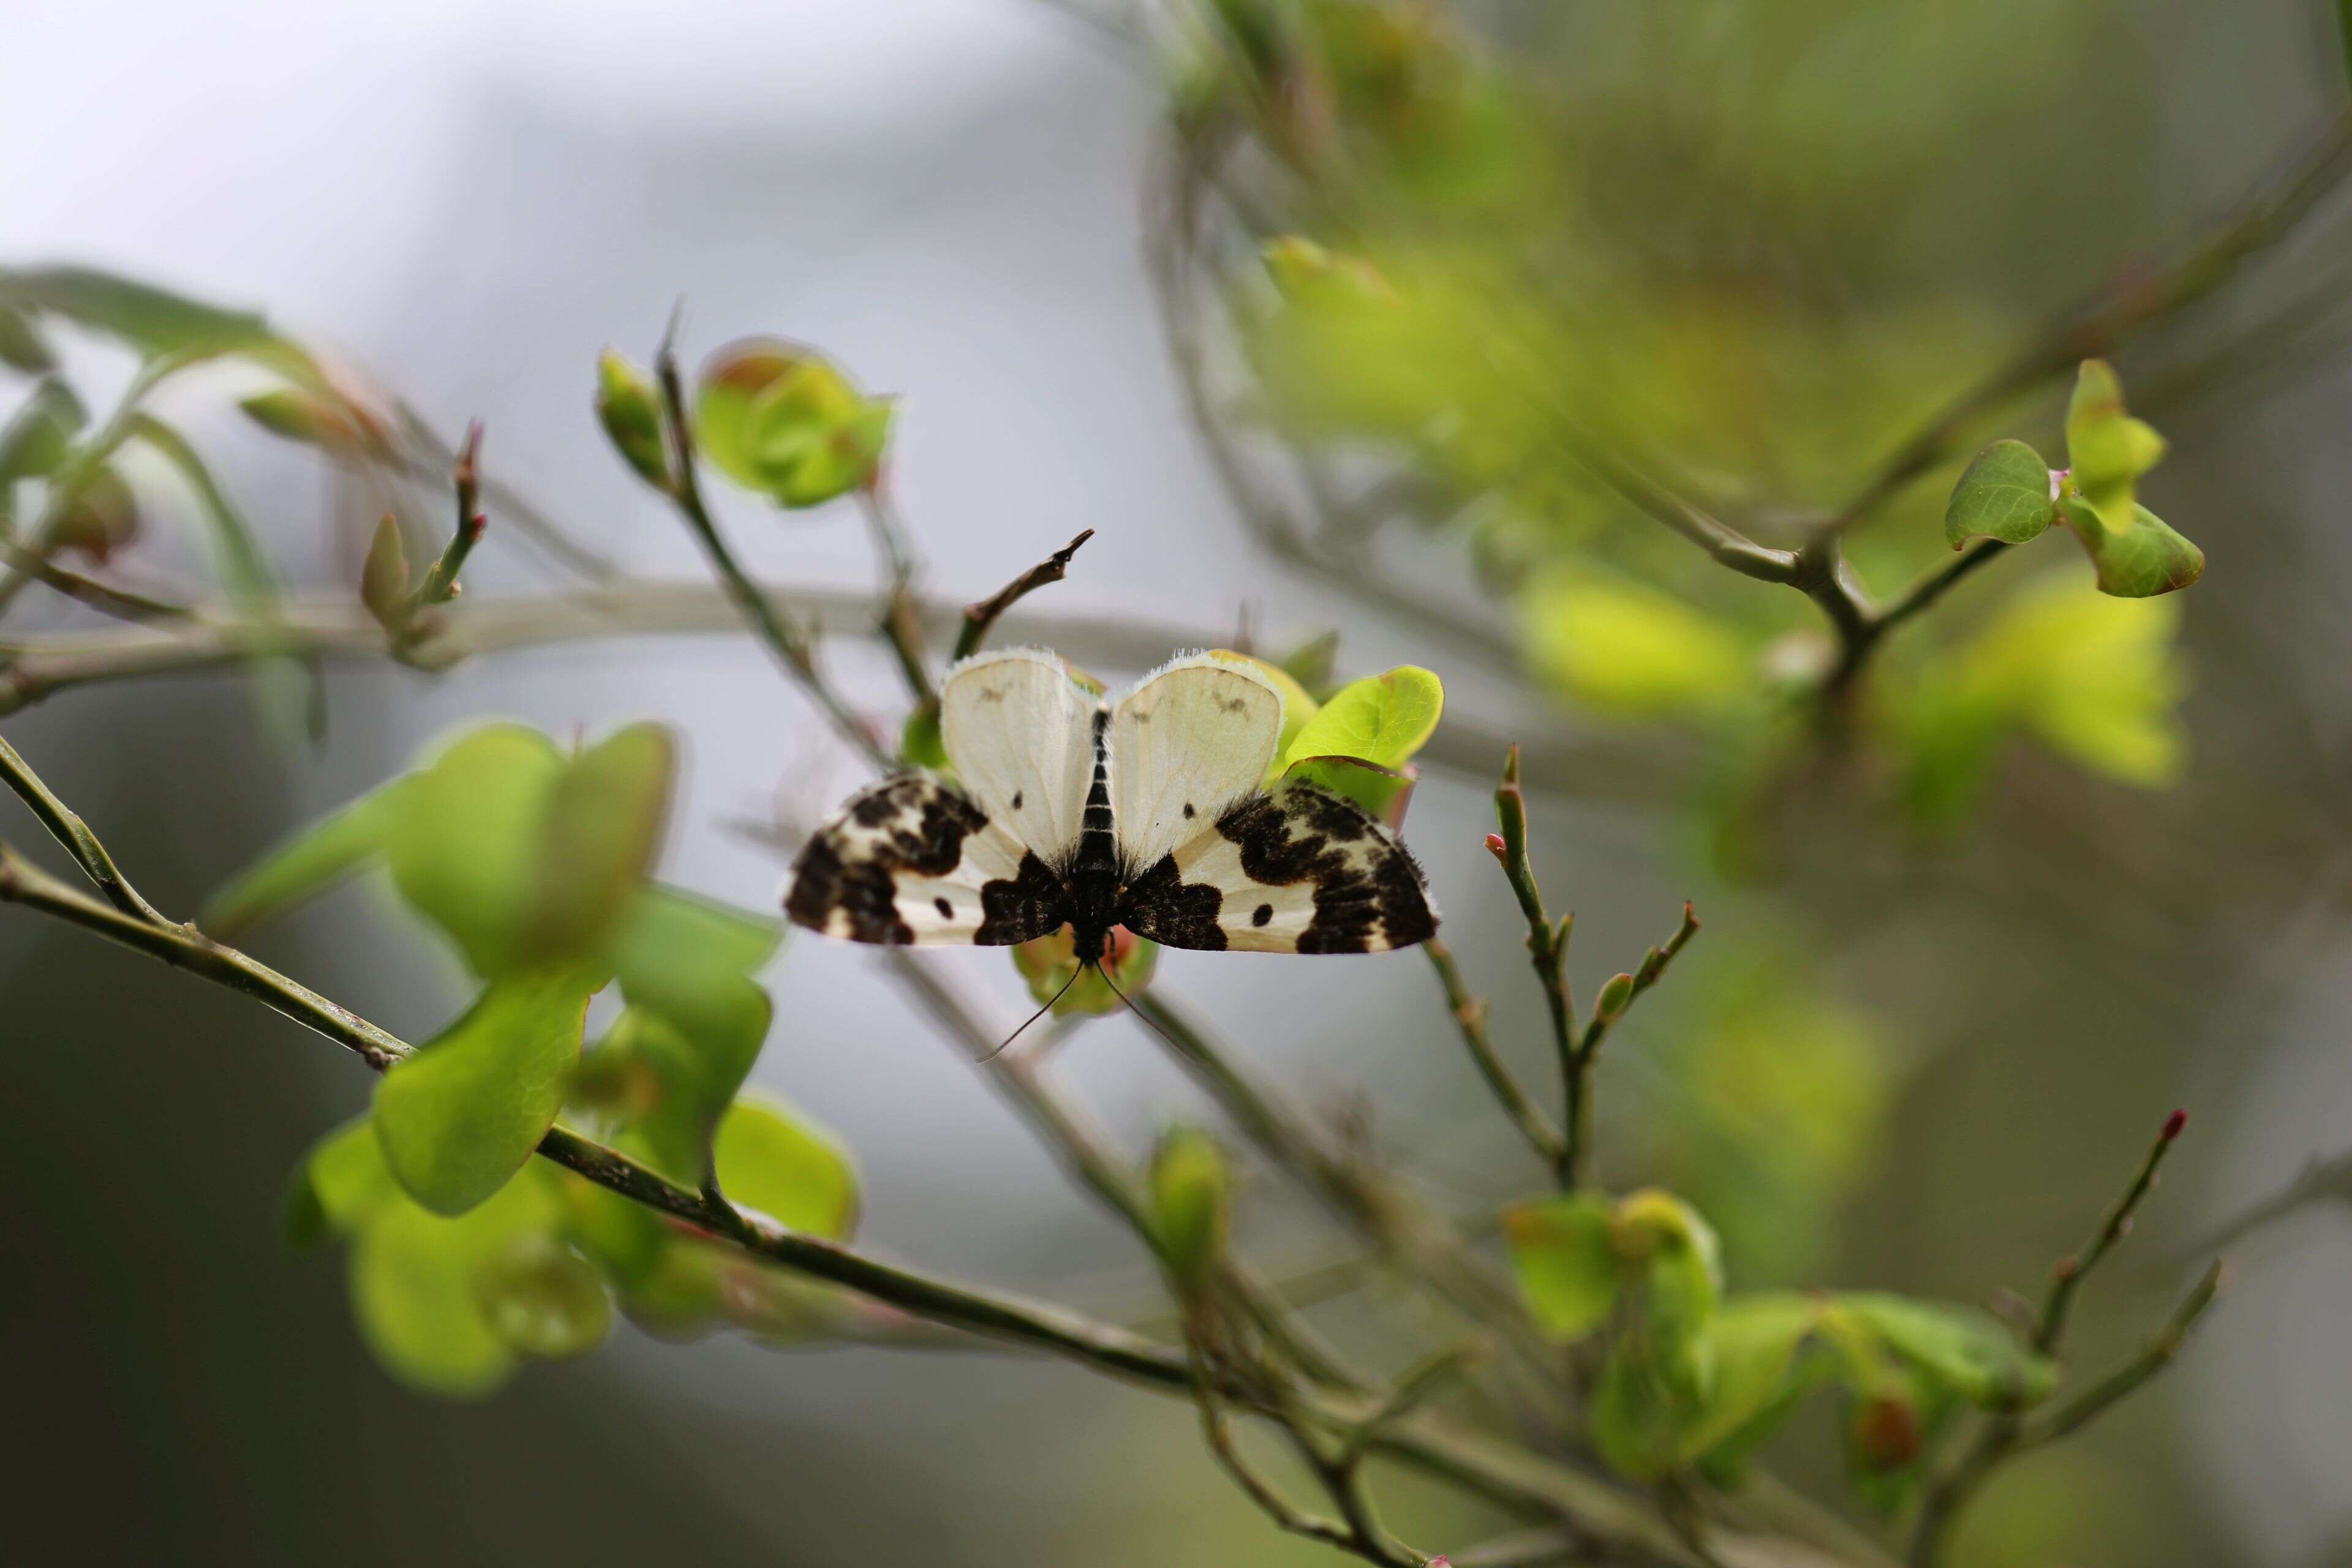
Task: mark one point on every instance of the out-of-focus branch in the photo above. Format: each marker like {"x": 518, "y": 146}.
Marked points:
{"x": 1470, "y": 1018}
{"x": 2094, "y": 324}
{"x": 2008, "y": 1433}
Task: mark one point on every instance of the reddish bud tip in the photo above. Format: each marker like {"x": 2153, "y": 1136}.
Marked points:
{"x": 1496, "y": 847}
{"x": 2173, "y": 1124}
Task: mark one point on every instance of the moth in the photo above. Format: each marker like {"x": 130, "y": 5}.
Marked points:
{"x": 1145, "y": 813}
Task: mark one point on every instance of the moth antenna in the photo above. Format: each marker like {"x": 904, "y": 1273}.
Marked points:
{"x": 1147, "y": 1018}
{"x": 1040, "y": 1013}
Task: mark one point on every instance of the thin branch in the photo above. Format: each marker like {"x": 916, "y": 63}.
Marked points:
{"x": 1470, "y": 1017}
{"x": 2008, "y": 1432}
{"x": 983, "y": 614}
{"x": 786, "y": 641}
{"x": 1644, "y": 975}
{"x": 2322, "y": 1181}
{"x": 440, "y": 585}
{"x": 2006, "y": 1437}
{"x": 1548, "y": 951}
{"x": 74, "y": 834}
{"x": 2066, "y": 1278}
{"x": 1936, "y": 584}
{"x": 2158, "y": 1353}
{"x": 122, "y": 604}
{"x": 439, "y": 458}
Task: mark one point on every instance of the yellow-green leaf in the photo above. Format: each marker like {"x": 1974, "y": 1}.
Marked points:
{"x": 1192, "y": 1194}
{"x": 541, "y": 1299}
{"x": 781, "y": 419}
{"x": 466, "y": 851}
{"x": 1381, "y": 718}
{"x": 1628, "y": 650}
{"x": 2141, "y": 563}
{"x": 314, "y": 859}
{"x": 1568, "y": 1272}
{"x": 414, "y": 1292}
{"x": 2106, "y": 448}
{"x": 773, "y": 1160}
{"x": 602, "y": 826}
{"x": 461, "y": 1117}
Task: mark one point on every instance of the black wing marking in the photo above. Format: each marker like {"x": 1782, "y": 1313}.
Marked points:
{"x": 911, "y": 861}
{"x": 1298, "y": 870}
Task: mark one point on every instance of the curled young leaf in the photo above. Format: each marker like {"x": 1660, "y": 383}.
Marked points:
{"x": 1192, "y": 1197}
{"x": 2139, "y": 563}
{"x": 2107, "y": 449}
{"x": 781, "y": 419}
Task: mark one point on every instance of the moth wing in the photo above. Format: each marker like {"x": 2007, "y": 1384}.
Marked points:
{"x": 1021, "y": 734}
{"x": 1298, "y": 870}
{"x": 910, "y": 861}
{"x": 1193, "y": 737}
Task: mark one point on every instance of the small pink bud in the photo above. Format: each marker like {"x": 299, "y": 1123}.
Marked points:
{"x": 2173, "y": 1124}
{"x": 1497, "y": 847}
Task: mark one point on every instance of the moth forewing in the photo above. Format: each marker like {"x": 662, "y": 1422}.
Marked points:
{"x": 1193, "y": 737}
{"x": 1020, "y": 733}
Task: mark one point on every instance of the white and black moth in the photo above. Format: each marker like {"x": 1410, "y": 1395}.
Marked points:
{"x": 1145, "y": 812}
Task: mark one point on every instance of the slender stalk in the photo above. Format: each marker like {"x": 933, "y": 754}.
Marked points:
{"x": 440, "y": 585}
{"x": 2009, "y": 1432}
{"x": 785, "y": 641}
{"x": 1548, "y": 951}
{"x": 980, "y": 615}
{"x": 2066, "y": 1278}
{"x": 1470, "y": 1017}
{"x": 74, "y": 834}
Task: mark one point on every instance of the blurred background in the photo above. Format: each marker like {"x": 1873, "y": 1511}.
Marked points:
{"x": 1955, "y": 970}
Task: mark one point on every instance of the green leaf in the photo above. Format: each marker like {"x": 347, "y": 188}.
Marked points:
{"x": 630, "y": 411}
{"x": 460, "y": 1117}
{"x": 919, "y": 745}
{"x": 1380, "y": 790}
{"x": 2106, "y": 448}
{"x": 22, "y": 347}
{"x": 696, "y": 1071}
{"x": 466, "y": 852}
{"x": 1191, "y": 1198}
{"x": 1761, "y": 1374}
{"x": 1381, "y": 718}
{"x": 1628, "y": 650}
{"x": 385, "y": 576}
{"x": 2095, "y": 679}
{"x": 150, "y": 319}
{"x": 2004, "y": 494}
{"x": 413, "y": 1286}
{"x": 781, "y": 419}
{"x": 40, "y": 433}
{"x": 308, "y": 864}
{"x": 2140, "y": 563}
{"x": 602, "y": 827}
{"x": 1963, "y": 1348}
{"x": 1568, "y": 1272}
{"x": 790, "y": 1170}
{"x": 541, "y": 1299}
{"x": 339, "y": 1184}
{"x": 687, "y": 957}
{"x": 1638, "y": 1418}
